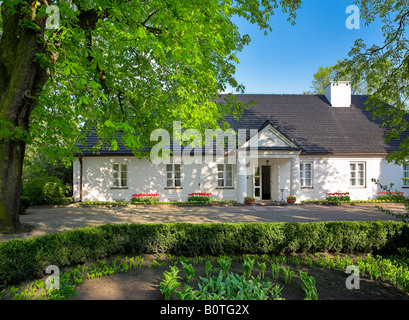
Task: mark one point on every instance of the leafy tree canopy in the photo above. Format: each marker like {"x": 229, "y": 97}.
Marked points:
{"x": 335, "y": 72}
{"x": 385, "y": 68}
{"x": 134, "y": 66}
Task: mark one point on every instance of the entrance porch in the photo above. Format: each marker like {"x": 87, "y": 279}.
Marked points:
{"x": 270, "y": 177}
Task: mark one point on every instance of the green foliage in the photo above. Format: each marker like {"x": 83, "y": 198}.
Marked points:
{"x": 334, "y": 198}
{"x": 262, "y": 268}
{"x": 288, "y": 274}
{"x": 308, "y": 286}
{"x": 234, "y": 287}
{"x": 384, "y": 68}
{"x": 209, "y": 269}
{"x": 54, "y": 192}
{"x": 199, "y": 199}
{"x": 390, "y": 198}
{"x": 24, "y": 204}
{"x": 104, "y": 203}
{"x": 225, "y": 264}
{"x": 145, "y": 200}
{"x": 45, "y": 190}
{"x": 124, "y": 203}
{"x": 248, "y": 265}
{"x": 169, "y": 283}
{"x": 189, "y": 271}
{"x": 27, "y": 259}
{"x": 65, "y": 292}
{"x": 335, "y": 72}
{"x": 394, "y": 197}
{"x": 38, "y": 165}
{"x": 393, "y": 269}
{"x": 167, "y": 61}
{"x": 275, "y": 270}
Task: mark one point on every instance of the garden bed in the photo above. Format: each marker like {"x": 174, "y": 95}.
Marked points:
{"x": 142, "y": 282}
{"x": 93, "y": 260}
{"x": 143, "y": 205}
{"x": 350, "y": 203}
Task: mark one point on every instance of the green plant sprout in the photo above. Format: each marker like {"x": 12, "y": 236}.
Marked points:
{"x": 170, "y": 283}
{"x": 288, "y": 274}
{"x": 248, "y": 266}
{"x": 308, "y": 286}
{"x": 209, "y": 269}
{"x": 189, "y": 271}
{"x": 262, "y": 269}
{"x": 275, "y": 270}
{"x": 225, "y": 264}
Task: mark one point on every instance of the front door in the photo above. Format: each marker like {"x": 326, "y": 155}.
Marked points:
{"x": 266, "y": 182}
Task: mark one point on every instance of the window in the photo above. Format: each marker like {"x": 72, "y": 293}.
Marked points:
{"x": 306, "y": 174}
{"x": 357, "y": 171}
{"x": 257, "y": 182}
{"x": 173, "y": 176}
{"x": 120, "y": 175}
{"x": 406, "y": 174}
{"x": 225, "y": 175}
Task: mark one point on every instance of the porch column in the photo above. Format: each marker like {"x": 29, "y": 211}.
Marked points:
{"x": 241, "y": 179}
{"x": 295, "y": 175}
{"x": 76, "y": 167}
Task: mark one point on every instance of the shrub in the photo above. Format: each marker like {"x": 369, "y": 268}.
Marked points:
{"x": 54, "y": 192}
{"x": 389, "y": 196}
{"x": 45, "y": 190}
{"x": 24, "y": 204}
{"x": 22, "y": 260}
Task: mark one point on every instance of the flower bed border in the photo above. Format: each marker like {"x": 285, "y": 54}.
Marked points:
{"x": 347, "y": 203}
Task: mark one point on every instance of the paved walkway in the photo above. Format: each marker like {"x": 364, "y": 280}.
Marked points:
{"x": 48, "y": 219}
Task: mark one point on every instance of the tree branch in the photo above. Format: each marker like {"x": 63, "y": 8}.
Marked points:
{"x": 398, "y": 31}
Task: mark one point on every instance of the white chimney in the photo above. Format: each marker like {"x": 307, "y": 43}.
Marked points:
{"x": 338, "y": 94}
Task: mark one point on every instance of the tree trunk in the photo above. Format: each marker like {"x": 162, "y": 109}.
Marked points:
{"x": 21, "y": 81}
{"x": 11, "y": 165}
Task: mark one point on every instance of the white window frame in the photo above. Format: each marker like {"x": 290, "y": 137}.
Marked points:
{"x": 257, "y": 185}
{"x": 354, "y": 174}
{"x": 173, "y": 176}
{"x": 303, "y": 177}
{"x": 406, "y": 174}
{"x": 121, "y": 179}
{"x": 223, "y": 181}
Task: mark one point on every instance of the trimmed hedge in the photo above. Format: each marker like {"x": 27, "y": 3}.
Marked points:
{"x": 27, "y": 259}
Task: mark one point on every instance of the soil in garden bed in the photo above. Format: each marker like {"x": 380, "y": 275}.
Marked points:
{"x": 143, "y": 284}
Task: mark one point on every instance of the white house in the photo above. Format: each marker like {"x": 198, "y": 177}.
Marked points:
{"x": 302, "y": 145}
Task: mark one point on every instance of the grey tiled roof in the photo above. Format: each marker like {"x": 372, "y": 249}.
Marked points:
{"x": 315, "y": 126}
{"x": 307, "y": 120}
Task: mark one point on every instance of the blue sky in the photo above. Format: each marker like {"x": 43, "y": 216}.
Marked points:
{"x": 284, "y": 61}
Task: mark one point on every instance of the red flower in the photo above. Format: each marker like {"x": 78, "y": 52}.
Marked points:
{"x": 140, "y": 195}
{"x": 199, "y": 194}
